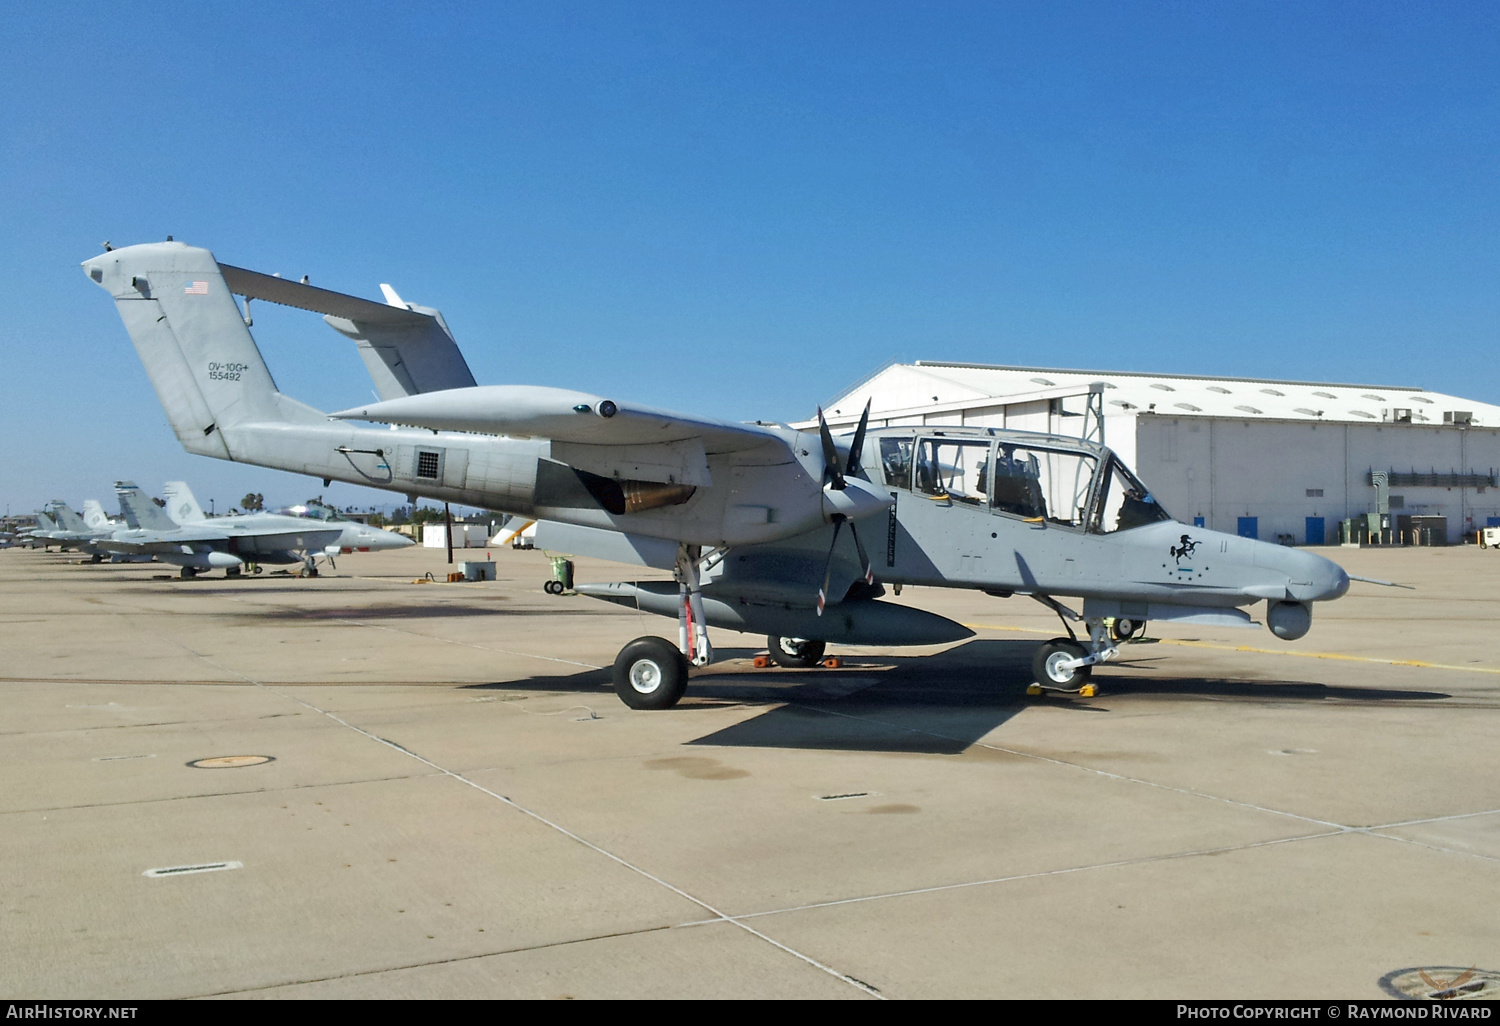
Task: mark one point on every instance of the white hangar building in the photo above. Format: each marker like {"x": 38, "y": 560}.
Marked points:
{"x": 1276, "y": 460}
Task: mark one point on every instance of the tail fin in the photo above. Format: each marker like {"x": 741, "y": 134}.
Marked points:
{"x": 45, "y": 522}
{"x": 181, "y": 505}
{"x": 69, "y": 520}
{"x": 141, "y": 513}
{"x": 94, "y": 515}
{"x": 189, "y": 332}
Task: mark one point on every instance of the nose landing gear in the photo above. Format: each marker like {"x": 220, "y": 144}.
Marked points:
{"x": 1066, "y": 664}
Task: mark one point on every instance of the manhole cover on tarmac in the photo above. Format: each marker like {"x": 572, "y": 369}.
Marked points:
{"x": 231, "y": 761}
{"x": 1442, "y": 983}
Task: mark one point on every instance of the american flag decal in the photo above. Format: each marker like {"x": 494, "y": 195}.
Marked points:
{"x": 196, "y": 288}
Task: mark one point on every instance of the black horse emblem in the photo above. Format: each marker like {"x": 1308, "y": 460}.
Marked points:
{"x": 1184, "y": 549}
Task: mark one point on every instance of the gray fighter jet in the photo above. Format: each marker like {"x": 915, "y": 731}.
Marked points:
{"x": 59, "y": 525}
{"x": 211, "y": 544}
{"x": 184, "y": 509}
{"x": 750, "y": 517}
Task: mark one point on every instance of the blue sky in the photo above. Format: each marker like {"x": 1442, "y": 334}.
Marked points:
{"x": 741, "y": 209}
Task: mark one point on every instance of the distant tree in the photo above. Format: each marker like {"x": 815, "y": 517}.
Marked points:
{"x": 159, "y": 502}
{"x": 252, "y": 501}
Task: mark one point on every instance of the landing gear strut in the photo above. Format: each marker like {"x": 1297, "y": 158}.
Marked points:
{"x": 1065, "y": 664}
{"x": 649, "y": 673}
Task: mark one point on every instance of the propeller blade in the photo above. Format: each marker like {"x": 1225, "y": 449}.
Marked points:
{"x": 858, "y": 445}
{"x": 828, "y": 566}
{"x": 830, "y": 454}
{"x": 864, "y": 560}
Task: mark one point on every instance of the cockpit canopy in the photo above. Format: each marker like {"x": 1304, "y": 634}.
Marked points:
{"x": 313, "y": 510}
{"x": 1041, "y": 480}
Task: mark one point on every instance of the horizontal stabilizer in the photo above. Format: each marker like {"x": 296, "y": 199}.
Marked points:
{"x": 255, "y": 285}
{"x": 407, "y": 349}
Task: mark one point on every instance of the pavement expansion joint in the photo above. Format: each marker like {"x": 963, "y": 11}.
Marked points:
{"x": 721, "y": 916}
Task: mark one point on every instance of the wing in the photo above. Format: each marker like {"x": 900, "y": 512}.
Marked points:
{"x": 588, "y": 432}
{"x": 536, "y": 411}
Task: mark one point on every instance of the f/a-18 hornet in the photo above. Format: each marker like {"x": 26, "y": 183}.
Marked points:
{"x": 768, "y": 529}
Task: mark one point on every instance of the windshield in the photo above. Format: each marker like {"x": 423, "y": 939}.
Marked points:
{"x": 1123, "y": 502}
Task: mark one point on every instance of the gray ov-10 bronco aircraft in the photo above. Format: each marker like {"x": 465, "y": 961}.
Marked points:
{"x": 749, "y": 517}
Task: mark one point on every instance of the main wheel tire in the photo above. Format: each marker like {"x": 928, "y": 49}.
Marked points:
{"x": 1047, "y": 669}
{"x": 650, "y": 673}
{"x": 795, "y": 653}
{"x": 1124, "y": 628}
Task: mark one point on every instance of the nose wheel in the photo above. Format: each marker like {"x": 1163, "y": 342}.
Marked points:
{"x": 1066, "y": 664}
{"x": 1059, "y": 664}
{"x": 794, "y": 653}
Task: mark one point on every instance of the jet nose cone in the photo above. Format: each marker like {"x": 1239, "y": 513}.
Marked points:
{"x": 1318, "y": 580}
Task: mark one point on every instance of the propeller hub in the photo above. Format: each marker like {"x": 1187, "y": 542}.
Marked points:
{"x": 855, "y": 501}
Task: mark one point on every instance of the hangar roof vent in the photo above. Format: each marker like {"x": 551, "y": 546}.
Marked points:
{"x": 1247, "y": 409}
{"x": 1189, "y": 407}
{"x": 1220, "y": 389}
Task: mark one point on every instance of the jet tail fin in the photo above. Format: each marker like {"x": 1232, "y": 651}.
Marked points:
{"x": 69, "y": 520}
{"x": 195, "y": 345}
{"x": 140, "y": 511}
{"x": 94, "y": 515}
{"x": 182, "y": 506}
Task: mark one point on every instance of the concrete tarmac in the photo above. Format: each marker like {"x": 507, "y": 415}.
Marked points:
{"x": 457, "y": 805}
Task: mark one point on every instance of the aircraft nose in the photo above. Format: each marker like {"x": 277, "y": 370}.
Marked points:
{"x": 1317, "y": 579}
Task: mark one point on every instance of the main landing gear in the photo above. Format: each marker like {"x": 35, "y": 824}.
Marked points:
{"x": 1066, "y": 664}
{"x": 649, "y": 673}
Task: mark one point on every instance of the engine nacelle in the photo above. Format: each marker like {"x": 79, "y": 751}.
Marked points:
{"x": 1288, "y": 620}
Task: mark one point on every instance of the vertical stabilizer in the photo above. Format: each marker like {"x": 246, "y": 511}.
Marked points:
{"x": 190, "y": 334}
{"x": 69, "y": 520}
{"x": 94, "y": 515}
{"x": 140, "y": 512}
{"x": 181, "y": 504}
